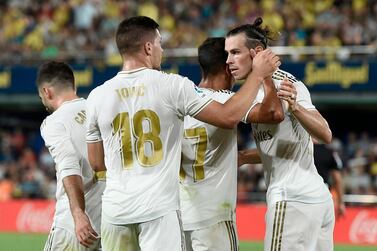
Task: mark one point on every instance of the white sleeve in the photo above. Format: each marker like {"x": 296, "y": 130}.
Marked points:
{"x": 303, "y": 96}
{"x": 93, "y": 133}
{"x": 188, "y": 98}
{"x": 258, "y": 99}
{"x": 58, "y": 141}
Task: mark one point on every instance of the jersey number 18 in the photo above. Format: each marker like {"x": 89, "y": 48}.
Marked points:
{"x": 129, "y": 130}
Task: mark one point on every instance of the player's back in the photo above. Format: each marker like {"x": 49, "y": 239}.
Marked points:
{"x": 64, "y": 134}
{"x": 209, "y": 172}
{"x": 140, "y": 115}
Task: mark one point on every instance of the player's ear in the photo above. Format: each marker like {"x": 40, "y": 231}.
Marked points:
{"x": 148, "y": 48}
{"x": 252, "y": 53}
{"x": 48, "y": 93}
{"x": 258, "y": 49}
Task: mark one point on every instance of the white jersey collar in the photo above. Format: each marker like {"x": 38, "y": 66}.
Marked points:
{"x": 132, "y": 71}
{"x": 72, "y": 101}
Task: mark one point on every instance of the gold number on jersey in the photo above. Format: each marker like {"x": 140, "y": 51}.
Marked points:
{"x": 121, "y": 124}
{"x": 152, "y": 137}
{"x": 200, "y": 134}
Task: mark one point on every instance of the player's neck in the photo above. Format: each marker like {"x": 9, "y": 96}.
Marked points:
{"x": 64, "y": 97}
{"x": 215, "y": 82}
{"x": 135, "y": 62}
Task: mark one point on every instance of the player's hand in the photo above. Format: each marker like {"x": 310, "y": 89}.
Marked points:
{"x": 340, "y": 210}
{"x": 240, "y": 160}
{"x": 287, "y": 91}
{"x": 265, "y": 62}
{"x": 84, "y": 231}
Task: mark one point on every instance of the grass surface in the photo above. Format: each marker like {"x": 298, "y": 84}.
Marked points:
{"x": 258, "y": 246}
{"x": 35, "y": 242}
{"x": 22, "y": 242}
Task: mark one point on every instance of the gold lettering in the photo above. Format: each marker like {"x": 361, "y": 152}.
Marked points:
{"x": 80, "y": 117}
{"x": 141, "y": 91}
{"x": 132, "y": 91}
{"x": 335, "y": 73}
{"x": 128, "y": 131}
{"x": 128, "y": 92}
{"x": 119, "y": 94}
{"x": 83, "y": 77}
{"x": 199, "y": 134}
{"x": 5, "y": 78}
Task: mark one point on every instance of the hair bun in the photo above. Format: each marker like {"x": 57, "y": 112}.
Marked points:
{"x": 257, "y": 22}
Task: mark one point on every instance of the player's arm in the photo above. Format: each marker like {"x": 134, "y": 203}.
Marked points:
{"x": 94, "y": 141}
{"x": 337, "y": 184}
{"x": 67, "y": 161}
{"x": 228, "y": 115}
{"x": 249, "y": 156}
{"x": 339, "y": 189}
{"x": 311, "y": 120}
{"x": 270, "y": 110}
{"x": 96, "y": 156}
{"x": 74, "y": 188}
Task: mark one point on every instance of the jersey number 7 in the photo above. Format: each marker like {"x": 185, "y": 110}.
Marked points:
{"x": 199, "y": 134}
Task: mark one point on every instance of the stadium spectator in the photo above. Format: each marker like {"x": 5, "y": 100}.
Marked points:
{"x": 65, "y": 27}
{"x": 6, "y": 187}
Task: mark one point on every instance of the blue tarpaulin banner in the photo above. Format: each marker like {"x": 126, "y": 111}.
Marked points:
{"x": 326, "y": 76}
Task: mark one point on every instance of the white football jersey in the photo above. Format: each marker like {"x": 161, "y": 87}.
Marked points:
{"x": 64, "y": 134}
{"x": 286, "y": 151}
{"x": 139, "y": 117}
{"x": 208, "y": 187}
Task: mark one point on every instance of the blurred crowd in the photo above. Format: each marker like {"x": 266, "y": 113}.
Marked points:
{"x": 52, "y": 28}
{"x": 27, "y": 170}
{"x": 358, "y": 153}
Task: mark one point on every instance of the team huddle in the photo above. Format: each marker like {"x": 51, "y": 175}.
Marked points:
{"x": 149, "y": 161}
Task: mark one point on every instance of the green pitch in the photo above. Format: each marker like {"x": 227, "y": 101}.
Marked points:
{"x": 35, "y": 242}
{"x": 258, "y": 246}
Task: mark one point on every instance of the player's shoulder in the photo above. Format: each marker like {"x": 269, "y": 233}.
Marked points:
{"x": 279, "y": 75}
{"x": 43, "y": 125}
{"x": 61, "y": 117}
{"x": 171, "y": 77}
{"x": 50, "y": 126}
{"x": 98, "y": 92}
{"x": 210, "y": 91}
{"x": 219, "y": 95}
{"x": 68, "y": 107}
{"x": 225, "y": 92}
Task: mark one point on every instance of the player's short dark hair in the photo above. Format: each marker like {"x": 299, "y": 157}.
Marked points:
{"x": 255, "y": 33}
{"x": 212, "y": 56}
{"x": 57, "y": 74}
{"x": 133, "y": 32}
